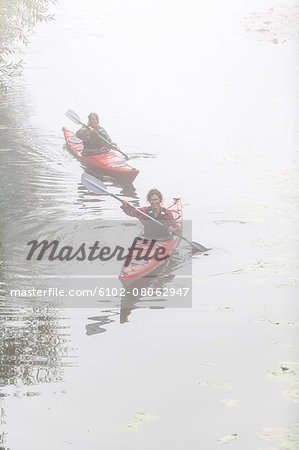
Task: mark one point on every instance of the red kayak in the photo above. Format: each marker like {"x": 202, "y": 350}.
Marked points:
{"x": 138, "y": 269}
{"x": 110, "y": 162}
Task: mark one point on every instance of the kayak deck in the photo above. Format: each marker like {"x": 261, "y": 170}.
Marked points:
{"x": 139, "y": 268}
{"x": 110, "y": 162}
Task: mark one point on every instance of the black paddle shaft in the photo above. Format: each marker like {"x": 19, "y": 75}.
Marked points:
{"x": 95, "y": 185}
{"x": 101, "y": 137}
{"x": 198, "y": 246}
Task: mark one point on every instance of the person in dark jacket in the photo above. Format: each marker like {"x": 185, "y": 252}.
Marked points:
{"x": 153, "y": 230}
{"x": 95, "y": 138}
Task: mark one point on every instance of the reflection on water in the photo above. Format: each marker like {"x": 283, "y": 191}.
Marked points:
{"x": 144, "y": 155}
{"x": 34, "y": 345}
{"x": 130, "y": 302}
{"x": 99, "y": 321}
{"x": 127, "y": 188}
{"x": 34, "y": 349}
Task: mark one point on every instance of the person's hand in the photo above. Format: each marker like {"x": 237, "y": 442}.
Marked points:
{"x": 171, "y": 229}
{"x": 127, "y": 204}
{"x": 115, "y": 147}
{"x": 91, "y": 129}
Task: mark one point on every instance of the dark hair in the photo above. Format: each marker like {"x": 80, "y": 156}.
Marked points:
{"x": 154, "y": 192}
{"x": 93, "y": 114}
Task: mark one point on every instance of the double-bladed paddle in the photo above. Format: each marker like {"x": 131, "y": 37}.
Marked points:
{"x": 70, "y": 114}
{"x": 93, "y": 184}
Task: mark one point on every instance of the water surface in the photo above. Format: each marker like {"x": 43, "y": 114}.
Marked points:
{"x": 204, "y": 99}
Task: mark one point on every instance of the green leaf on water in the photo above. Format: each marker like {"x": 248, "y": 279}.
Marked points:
{"x": 292, "y": 395}
{"x": 272, "y": 341}
{"x": 222, "y": 308}
{"x": 206, "y": 364}
{"x": 3, "y": 127}
{"x": 271, "y": 434}
{"x": 290, "y": 365}
{"x": 219, "y": 385}
{"x": 141, "y": 420}
{"x": 230, "y": 401}
{"x": 5, "y": 149}
{"x": 227, "y": 439}
{"x": 280, "y": 375}
{"x": 287, "y": 371}
{"x": 282, "y": 323}
{"x": 285, "y": 437}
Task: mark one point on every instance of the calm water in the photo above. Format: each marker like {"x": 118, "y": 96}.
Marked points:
{"x": 204, "y": 100}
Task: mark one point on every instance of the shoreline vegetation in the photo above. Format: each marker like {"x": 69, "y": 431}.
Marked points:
{"x": 17, "y": 22}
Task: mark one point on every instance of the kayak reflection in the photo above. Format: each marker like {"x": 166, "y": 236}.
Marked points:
{"x": 126, "y": 187}
{"x": 130, "y": 302}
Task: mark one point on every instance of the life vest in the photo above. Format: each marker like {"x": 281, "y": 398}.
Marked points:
{"x": 153, "y": 230}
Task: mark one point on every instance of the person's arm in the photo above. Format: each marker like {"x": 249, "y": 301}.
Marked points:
{"x": 130, "y": 211}
{"x": 105, "y": 135}
{"x": 83, "y": 133}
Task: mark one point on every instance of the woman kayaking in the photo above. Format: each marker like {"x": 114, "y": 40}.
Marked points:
{"x": 152, "y": 230}
{"x": 94, "y": 136}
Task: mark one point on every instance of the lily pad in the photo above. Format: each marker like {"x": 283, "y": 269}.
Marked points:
{"x": 220, "y": 344}
{"x": 141, "y": 420}
{"x": 226, "y": 309}
{"x": 199, "y": 280}
{"x": 286, "y": 437}
{"x": 284, "y": 374}
{"x": 290, "y": 283}
{"x": 5, "y": 149}
{"x": 271, "y": 434}
{"x": 290, "y": 365}
{"x": 230, "y": 401}
{"x": 282, "y": 323}
{"x": 288, "y": 370}
{"x": 206, "y": 364}
{"x": 219, "y": 385}
{"x": 227, "y": 439}
{"x": 272, "y": 341}
{"x": 3, "y": 127}
{"x": 292, "y": 395}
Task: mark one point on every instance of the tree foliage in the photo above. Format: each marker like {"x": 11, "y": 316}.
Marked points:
{"x": 17, "y": 21}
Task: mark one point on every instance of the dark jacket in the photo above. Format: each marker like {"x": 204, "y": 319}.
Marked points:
{"x": 92, "y": 140}
{"x": 151, "y": 229}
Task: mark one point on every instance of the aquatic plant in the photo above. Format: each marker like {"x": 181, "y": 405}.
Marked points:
{"x": 18, "y": 18}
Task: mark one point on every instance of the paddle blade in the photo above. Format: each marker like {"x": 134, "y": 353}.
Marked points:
{"x": 70, "y": 114}
{"x": 196, "y": 247}
{"x": 93, "y": 184}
